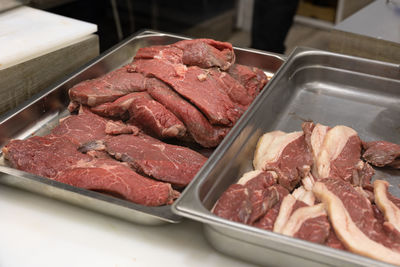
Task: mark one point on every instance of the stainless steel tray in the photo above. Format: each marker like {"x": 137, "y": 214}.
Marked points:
{"x": 328, "y": 88}
{"x": 41, "y": 113}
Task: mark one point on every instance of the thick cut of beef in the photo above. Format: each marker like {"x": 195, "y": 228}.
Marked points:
{"x": 286, "y": 154}
{"x": 339, "y": 154}
{"x": 174, "y": 164}
{"x": 197, "y": 125}
{"x": 45, "y": 156}
{"x": 107, "y": 88}
{"x": 308, "y": 223}
{"x": 204, "y": 53}
{"x": 119, "y": 108}
{"x": 387, "y": 204}
{"x": 353, "y": 219}
{"x": 156, "y": 119}
{"x": 249, "y": 199}
{"x": 196, "y": 85}
{"x": 382, "y": 153}
{"x": 251, "y": 78}
{"x": 112, "y": 177}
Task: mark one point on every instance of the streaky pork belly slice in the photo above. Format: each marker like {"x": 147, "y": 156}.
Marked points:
{"x": 387, "y": 204}
{"x": 285, "y": 153}
{"x": 353, "y": 219}
{"x": 249, "y": 199}
{"x": 45, "y": 156}
{"x": 382, "y": 153}
{"x": 107, "y": 88}
{"x": 116, "y": 178}
{"x": 119, "y": 108}
{"x": 170, "y": 163}
{"x": 196, "y": 123}
{"x": 308, "y": 223}
{"x": 339, "y": 154}
{"x": 197, "y": 86}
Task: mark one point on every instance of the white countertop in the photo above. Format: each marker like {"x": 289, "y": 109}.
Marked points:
{"x": 39, "y": 231}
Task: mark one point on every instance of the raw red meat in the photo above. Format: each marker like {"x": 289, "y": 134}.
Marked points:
{"x": 174, "y": 164}
{"x": 44, "y": 156}
{"x": 112, "y": 177}
{"x": 382, "y": 153}
{"x": 107, "y": 88}
{"x": 197, "y": 125}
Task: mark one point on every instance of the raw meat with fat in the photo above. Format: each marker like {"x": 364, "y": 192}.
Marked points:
{"x": 387, "y": 204}
{"x": 382, "y": 153}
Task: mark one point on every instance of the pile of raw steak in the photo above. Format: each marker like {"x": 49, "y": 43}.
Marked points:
{"x": 315, "y": 185}
{"x": 190, "y": 92}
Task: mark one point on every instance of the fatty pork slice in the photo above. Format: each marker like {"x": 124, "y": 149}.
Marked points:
{"x": 87, "y": 126}
{"x": 197, "y": 86}
{"x": 44, "y": 156}
{"x": 196, "y": 124}
{"x": 382, "y": 153}
{"x": 249, "y": 199}
{"x": 285, "y": 153}
{"x": 252, "y": 78}
{"x": 119, "y": 108}
{"x": 107, "y": 88}
{"x": 204, "y": 53}
{"x": 352, "y": 217}
{"x": 170, "y": 163}
{"x": 387, "y": 204}
{"x": 156, "y": 119}
{"x": 115, "y": 178}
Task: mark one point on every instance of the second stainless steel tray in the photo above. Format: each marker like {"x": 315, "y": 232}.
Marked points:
{"x": 42, "y": 112}
{"x": 328, "y": 88}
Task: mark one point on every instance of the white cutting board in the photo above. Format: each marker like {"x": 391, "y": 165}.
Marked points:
{"x": 26, "y": 33}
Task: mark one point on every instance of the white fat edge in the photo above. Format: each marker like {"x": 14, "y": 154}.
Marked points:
{"x": 248, "y": 176}
{"x": 389, "y": 209}
{"x": 284, "y": 213}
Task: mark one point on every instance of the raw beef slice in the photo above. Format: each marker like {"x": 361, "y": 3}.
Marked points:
{"x": 174, "y": 164}
{"x": 382, "y": 153}
{"x": 45, "y": 156}
{"x": 112, "y": 177}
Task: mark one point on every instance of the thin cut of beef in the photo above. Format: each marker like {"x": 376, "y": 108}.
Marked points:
{"x": 308, "y": 223}
{"x": 249, "y": 199}
{"x": 387, "y": 204}
{"x": 119, "y": 108}
{"x": 107, "y": 88}
{"x": 339, "y": 154}
{"x": 353, "y": 220}
{"x": 197, "y": 125}
{"x": 45, "y": 156}
{"x": 204, "y": 53}
{"x": 251, "y": 78}
{"x": 333, "y": 241}
{"x": 197, "y": 86}
{"x": 382, "y": 153}
{"x": 156, "y": 119}
{"x": 174, "y": 164}
{"x": 286, "y": 154}
{"x": 112, "y": 177}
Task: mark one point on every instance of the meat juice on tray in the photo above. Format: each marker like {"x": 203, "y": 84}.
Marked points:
{"x": 315, "y": 185}
{"x": 131, "y": 132}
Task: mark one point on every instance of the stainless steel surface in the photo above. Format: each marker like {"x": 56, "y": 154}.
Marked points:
{"x": 43, "y": 111}
{"x": 9, "y": 4}
{"x": 328, "y": 88}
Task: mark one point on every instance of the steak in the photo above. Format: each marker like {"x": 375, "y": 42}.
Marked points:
{"x": 119, "y": 108}
{"x": 44, "y": 156}
{"x": 249, "y": 199}
{"x": 197, "y": 86}
{"x": 112, "y": 177}
{"x": 107, "y": 88}
{"x": 197, "y": 125}
{"x": 353, "y": 220}
{"x": 382, "y": 153}
{"x": 156, "y": 119}
{"x": 174, "y": 164}
{"x": 286, "y": 154}
{"x": 204, "y": 53}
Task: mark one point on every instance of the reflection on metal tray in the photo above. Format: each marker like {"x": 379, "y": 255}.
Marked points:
{"x": 328, "y": 88}
{"x": 42, "y": 113}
